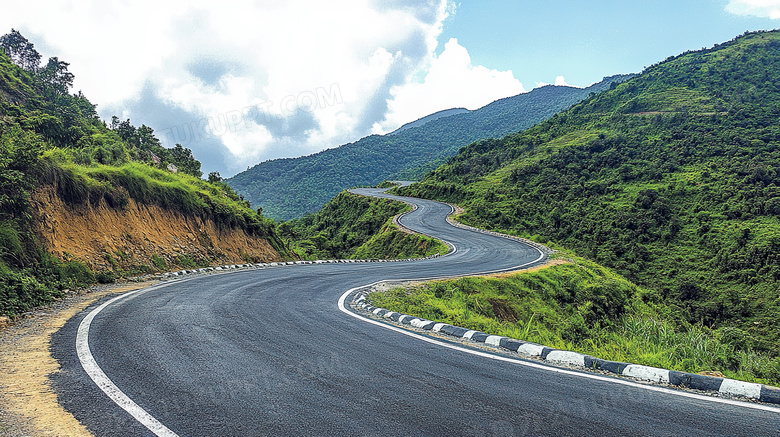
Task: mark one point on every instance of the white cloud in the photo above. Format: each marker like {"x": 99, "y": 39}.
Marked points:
{"x": 348, "y": 63}
{"x": 451, "y": 80}
{"x": 559, "y": 81}
{"x": 757, "y": 8}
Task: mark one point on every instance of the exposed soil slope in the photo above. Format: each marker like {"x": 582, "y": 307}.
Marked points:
{"x": 99, "y": 234}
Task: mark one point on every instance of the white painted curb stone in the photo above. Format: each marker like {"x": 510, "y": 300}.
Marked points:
{"x": 531, "y": 349}
{"x": 469, "y": 334}
{"x": 647, "y": 373}
{"x": 567, "y": 357}
{"x": 741, "y": 388}
{"x": 494, "y": 340}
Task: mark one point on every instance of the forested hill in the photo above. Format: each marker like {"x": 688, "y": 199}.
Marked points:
{"x": 429, "y": 118}
{"x": 672, "y": 178}
{"x": 61, "y": 167}
{"x": 290, "y": 188}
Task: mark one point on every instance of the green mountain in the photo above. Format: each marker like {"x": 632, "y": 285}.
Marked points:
{"x": 671, "y": 178}
{"x": 430, "y": 117}
{"x": 290, "y": 188}
{"x": 61, "y": 167}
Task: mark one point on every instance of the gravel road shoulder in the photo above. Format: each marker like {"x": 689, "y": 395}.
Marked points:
{"x": 28, "y": 405}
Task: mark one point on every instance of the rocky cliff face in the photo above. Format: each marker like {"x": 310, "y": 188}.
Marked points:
{"x": 105, "y": 237}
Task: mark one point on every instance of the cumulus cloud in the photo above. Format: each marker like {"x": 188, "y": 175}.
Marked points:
{"x": 559, "y": 81}
{"x": 758, "y": 8}
{"x": 450, "y": 81}
{"x": 260, "y": 79}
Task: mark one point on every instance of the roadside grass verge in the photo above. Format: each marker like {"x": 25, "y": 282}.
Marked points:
{"x": 40, "y": 283}
{"x": 583, "y": 307}
{"x": 391, "y": 242}
{"x": 356, "y": 227}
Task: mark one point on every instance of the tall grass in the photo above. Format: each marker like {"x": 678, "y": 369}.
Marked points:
{"x": 22, "y": 289}
{"x": 586, "y": 308}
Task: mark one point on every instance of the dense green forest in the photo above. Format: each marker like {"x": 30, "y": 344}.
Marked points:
{"x": 671, "y": 178}
{"x": 50, "y": 136}
{"x": 357, "y": 227}
{"x": 290, "y": 188}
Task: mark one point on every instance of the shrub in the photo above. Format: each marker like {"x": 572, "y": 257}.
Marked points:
{"x": 105, "y": 277}
{"x": 159, "y": 263}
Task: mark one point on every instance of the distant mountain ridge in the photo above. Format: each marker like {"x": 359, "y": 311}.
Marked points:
{"x": 292, "y": 187}
{"x": 428, "y": 118}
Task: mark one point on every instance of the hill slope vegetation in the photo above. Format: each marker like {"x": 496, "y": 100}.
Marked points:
{"x": 290, "y": 188}
{"x": 53, "y": 146}
{"x": 357, "y": 227}
{"x": 671, "y": 178}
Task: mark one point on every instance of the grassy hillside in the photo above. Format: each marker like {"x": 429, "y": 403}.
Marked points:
{"x": 357, "y": 227}
{"x": 671, "y": 178}
{"x": 51, "y": 137}
{"x": 584, "y": 307}
{"x": 290, "y": 188}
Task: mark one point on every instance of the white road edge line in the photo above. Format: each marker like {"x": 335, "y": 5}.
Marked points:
{"x": 343, "y": 308}
{"x": 104, "y": 383}
{"x": 108, "y": 387}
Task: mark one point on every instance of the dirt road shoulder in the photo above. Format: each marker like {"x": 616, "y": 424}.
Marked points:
{"x": 28, "y": 405}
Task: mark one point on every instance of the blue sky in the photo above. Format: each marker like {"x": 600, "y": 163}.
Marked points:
{"x": 243, "y": 81}
{"x": 587, "y": 40}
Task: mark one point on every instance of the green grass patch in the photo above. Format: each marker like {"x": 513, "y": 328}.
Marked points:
{"x": 159, "y": 263}
{"x": 392, "y": 243}
{"x": 586, "y": 308}
{"x": 357, "y": 227}
{"x": 22, "y": 289}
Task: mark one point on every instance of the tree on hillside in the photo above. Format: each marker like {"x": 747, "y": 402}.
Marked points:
{"x": 183, "y": 158}
{"x": 214, "y": 176}
{"x": 146, "y": 139}
{"x": 125, "y": 130}
{"x": 142, "y": 139}
{"x": 56, "y": 78}
{"x": 21, "y": 51}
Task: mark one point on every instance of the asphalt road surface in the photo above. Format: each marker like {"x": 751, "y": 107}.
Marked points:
{"x": 268, "y": 352}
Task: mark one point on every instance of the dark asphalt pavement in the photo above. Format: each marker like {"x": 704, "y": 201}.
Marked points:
{"x": 267, "y": 352}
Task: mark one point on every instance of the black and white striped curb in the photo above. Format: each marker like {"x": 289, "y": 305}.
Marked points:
{"x": 257, "y": 266}
{"x": 758, "y": 392}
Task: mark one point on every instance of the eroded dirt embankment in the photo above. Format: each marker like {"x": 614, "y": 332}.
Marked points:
{"x": 97, "y": 235}
{"x": 100, "y": 235}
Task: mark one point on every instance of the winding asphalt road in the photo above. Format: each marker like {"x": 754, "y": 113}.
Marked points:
{"x": 267, "y": 352}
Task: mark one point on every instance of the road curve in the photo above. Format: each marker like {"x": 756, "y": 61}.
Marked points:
{"x": 267, "y": 352}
